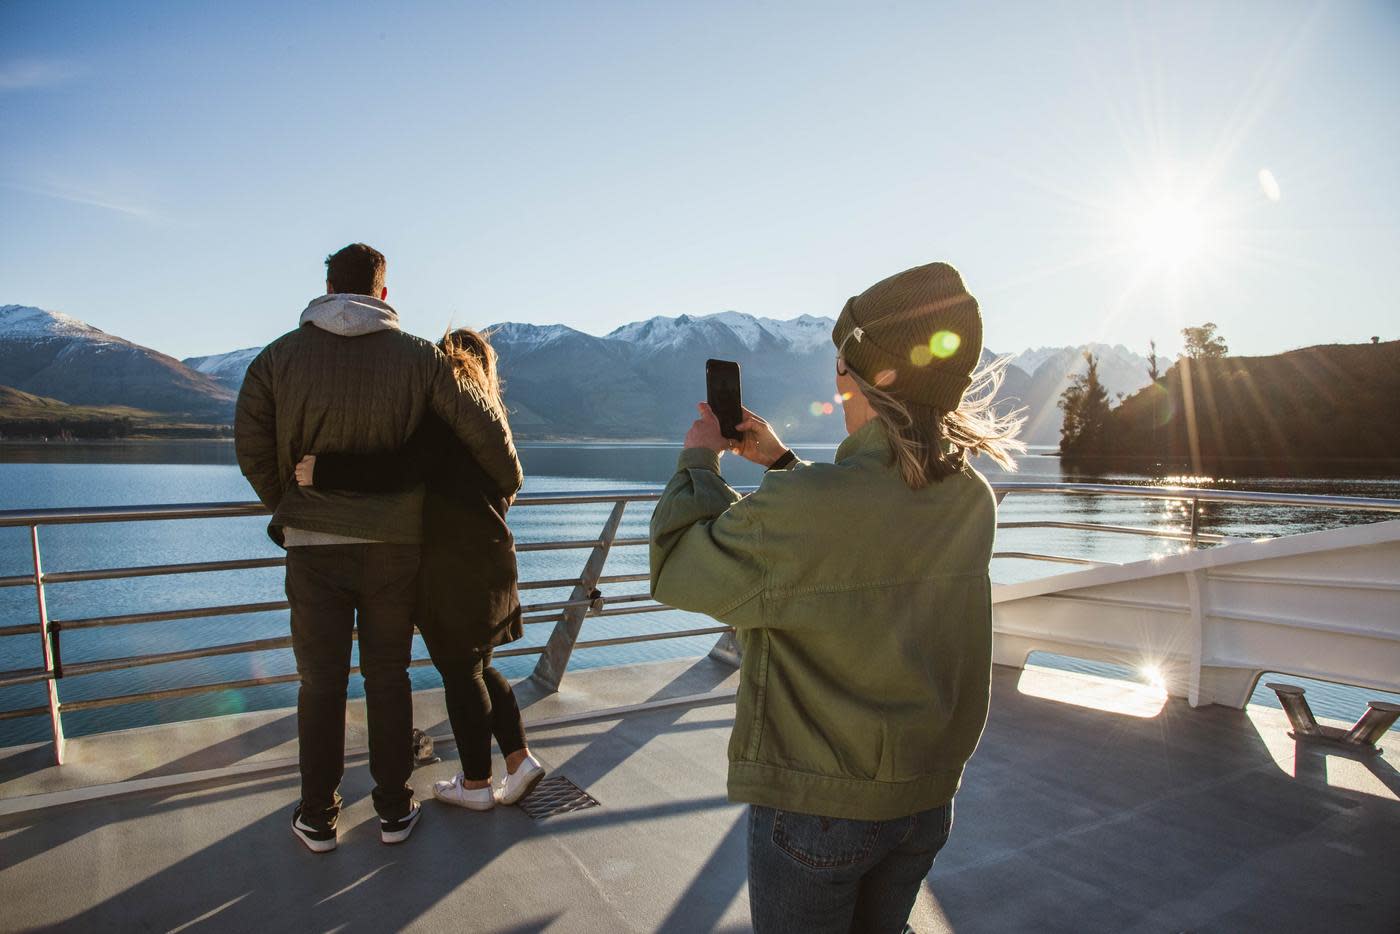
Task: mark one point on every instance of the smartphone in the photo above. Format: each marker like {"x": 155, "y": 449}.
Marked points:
{"x": 722, "y": 393}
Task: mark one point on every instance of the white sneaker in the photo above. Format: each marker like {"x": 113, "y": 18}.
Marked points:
{"x": 522, "y": 781}
{"x": 397, "y": 831}
{"x": 453, "y": 792}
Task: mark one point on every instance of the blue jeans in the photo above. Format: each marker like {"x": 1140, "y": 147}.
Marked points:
{"x": 826, "y": 874}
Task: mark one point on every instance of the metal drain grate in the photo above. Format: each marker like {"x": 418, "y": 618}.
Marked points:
{"x": 556, "y": 795}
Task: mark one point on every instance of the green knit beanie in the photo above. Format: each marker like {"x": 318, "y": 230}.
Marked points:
{"x": 917, "y": 334}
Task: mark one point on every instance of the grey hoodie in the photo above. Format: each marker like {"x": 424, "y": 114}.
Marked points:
{"x": 350, "y": 315}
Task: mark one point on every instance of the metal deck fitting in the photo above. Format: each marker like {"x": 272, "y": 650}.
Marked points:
{"x": 1378, "y": 718}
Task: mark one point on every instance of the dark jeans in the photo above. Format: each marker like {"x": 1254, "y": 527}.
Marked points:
{"x": 328, "y": 586}
{"x": 480, "y": 703}
{"x": 826, "y": 874}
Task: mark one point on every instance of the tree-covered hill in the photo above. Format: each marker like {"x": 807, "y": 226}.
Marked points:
{"x": 1333, "y": 408}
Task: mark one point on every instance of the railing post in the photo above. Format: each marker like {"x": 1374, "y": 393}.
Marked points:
{"x": 49, "y": 638}
{"x": 727, "y": 649}
{"x": 549, "y": 671}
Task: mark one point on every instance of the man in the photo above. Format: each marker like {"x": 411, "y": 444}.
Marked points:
{"x": 348, "y": 379}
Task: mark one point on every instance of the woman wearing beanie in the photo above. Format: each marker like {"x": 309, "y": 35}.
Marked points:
{"x": 860, "y": 594}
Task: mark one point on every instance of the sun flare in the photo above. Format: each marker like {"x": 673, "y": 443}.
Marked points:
{"x": 1171, "y": 231}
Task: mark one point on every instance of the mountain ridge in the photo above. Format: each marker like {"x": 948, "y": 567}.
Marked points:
{"x": 639, "y": 381}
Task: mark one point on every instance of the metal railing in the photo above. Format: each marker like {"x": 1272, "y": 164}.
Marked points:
{"x": 567, "y": 615}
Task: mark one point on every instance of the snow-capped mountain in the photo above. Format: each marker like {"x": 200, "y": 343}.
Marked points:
{"x": 1031, "y": 359}
{"x": 225, "y": 368}
{"x": 49, "y": 353}
{"x": 1121, "y": 371}
{"x": 24, "y": 322}
{"x": 800, "y": 335}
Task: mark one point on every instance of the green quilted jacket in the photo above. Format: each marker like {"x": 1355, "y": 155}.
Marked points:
{"x": 349, "y": 381}
{"x": 863, "y": 610}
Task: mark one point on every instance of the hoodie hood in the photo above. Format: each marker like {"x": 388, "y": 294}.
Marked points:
{"x": 350, "y": 315}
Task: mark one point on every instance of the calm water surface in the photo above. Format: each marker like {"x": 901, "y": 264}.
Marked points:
{"x": 41, "y": 476}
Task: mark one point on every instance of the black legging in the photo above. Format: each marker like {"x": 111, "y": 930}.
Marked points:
{"x": 480, "y": 704}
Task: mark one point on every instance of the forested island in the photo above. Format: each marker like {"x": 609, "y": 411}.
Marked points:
{"x": 1329, "y": 410}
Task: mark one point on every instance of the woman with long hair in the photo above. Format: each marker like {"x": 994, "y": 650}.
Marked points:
{"x": 860, "y": 594}
{"x": 468, "y": 602}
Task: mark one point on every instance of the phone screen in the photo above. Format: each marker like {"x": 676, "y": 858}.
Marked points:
{"x": 722, "y": 393}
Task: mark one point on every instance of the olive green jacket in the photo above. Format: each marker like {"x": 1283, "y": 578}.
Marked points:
{"x": 349, "y": 381}
{"x": 863, "y": 609}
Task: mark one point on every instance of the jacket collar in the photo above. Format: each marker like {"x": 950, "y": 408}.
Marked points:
{"x": 867, "y": 439}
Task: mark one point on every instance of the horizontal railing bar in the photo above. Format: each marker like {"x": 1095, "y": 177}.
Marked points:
{"x": 563, "y": 545}
{"x": 92, "y": 514}
{"x": 23, "y": 580}
{"x": 629, "y": 610}
{"x": 628, "y": 542}
{"x": 175, "y": 693}
{"x": 1119, "y": 529}
{"x": 24, "y": 676}
{"x": 155, "y": 570}
{"x": 566, "y": 604}
{"x": 1204, "y": 496}
{"x": 74, "y": 669}
{"x": 562, "y": 582}
{"x": 651, "y": 637}
{"x": 130, "y": 619}
{"x": 68, "y": 516}
{"x": 25, "y": 629}
{"x": 1059, "y": 559}
{"x": 23, "y": 712}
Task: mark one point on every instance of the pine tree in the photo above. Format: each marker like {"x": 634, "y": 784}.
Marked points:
{"x": 1153, "y": 369}
{"x": 1084, "y": 431}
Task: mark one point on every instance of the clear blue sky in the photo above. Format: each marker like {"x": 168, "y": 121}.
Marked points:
{"x": 175, "y": 173}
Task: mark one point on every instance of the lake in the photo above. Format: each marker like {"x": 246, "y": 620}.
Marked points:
{"x": 55, "y": 475}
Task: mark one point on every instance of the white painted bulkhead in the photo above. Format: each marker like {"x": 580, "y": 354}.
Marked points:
{"x": 1322, "y": 605}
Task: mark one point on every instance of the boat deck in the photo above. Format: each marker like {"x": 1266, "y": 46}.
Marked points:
{"x": 1090, "y": 806}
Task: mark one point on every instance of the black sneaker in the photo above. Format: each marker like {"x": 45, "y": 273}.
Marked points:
{"x": 319, "y": 836}
{"x": 397, "y": 831}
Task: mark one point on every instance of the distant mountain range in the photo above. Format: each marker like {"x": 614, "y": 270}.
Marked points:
{"x": 639, "y": 381}
{"x": 48, "y": 353}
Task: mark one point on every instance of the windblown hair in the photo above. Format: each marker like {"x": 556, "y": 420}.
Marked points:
{"x": 473, "y": 359}
{"x": 930, "y": 444}
{"x": 357, "y": 269}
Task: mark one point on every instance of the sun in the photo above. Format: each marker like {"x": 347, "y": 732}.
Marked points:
{"x": 1170, "y": 231}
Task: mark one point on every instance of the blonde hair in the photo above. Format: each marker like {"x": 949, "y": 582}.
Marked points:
{"x": 473, "y": 359}
{"x": 929, "y": 444}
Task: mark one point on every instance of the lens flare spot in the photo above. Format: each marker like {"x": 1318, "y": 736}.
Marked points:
{"x": 828, "y": 408}
{"x": 944, "y": 344}
{"x": 920, "y": 355}
{"x": 815, "y": 408}
{"x": 1269, "y": 185}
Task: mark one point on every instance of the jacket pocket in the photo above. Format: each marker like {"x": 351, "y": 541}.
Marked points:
{"x": 824, "y": 842}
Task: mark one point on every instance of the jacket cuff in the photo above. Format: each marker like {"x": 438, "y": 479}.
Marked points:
{"x": 784, "y": 461}
{"x": 698, "y": 458}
